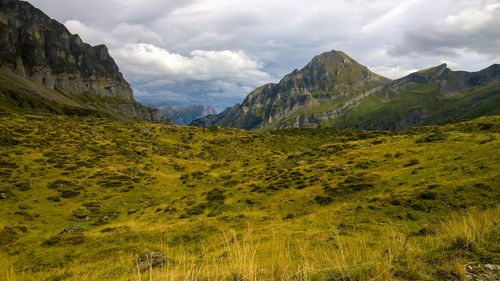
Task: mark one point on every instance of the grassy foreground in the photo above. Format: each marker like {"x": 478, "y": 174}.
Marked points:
{"x": 83, "y": 198}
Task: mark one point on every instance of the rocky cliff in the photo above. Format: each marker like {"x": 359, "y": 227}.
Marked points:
{"x": 38, "y": 48}
{"x": 333, "y": 90}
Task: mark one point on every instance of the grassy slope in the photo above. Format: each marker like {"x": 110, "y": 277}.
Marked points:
{"x": 380, "y": 111}
{"x": 228, "y": 204}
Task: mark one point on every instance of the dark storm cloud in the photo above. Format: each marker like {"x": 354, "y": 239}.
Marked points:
{"x": 109, "y": 12}
{"x": 474, "y": 29}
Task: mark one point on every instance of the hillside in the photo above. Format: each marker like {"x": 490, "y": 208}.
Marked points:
{"x": 83, "y": 198}
{"x": 433, "y": 96}
{"x": 333, "y": 90}
{"x": 44, "y": 69}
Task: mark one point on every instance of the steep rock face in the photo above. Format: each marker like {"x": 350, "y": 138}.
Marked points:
{"x": 44, "y": 49}
{"x": 38, "y": 48}
{"x": 327, "y": 79}
{"x": 183, "y": 115}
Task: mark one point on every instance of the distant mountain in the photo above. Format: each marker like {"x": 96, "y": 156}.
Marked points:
{"x": 333, "y": 90}
{"x": 183, "y": 115}
{"x": 44, "y": 69}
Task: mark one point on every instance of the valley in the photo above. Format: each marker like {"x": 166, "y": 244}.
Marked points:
{"x": 83, "y": 198}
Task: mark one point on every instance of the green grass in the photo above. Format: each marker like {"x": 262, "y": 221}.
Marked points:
{"x": 226, "y": 204}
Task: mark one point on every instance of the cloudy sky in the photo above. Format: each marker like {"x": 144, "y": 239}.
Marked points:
{"x": 217, "y": 51}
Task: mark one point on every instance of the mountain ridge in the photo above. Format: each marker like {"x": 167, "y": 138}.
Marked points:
{"x": 183, "y": 115}
{"x": 332, "y": 100}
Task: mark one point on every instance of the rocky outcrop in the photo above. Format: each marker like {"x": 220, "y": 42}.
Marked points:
{"x": 150, "y": 260}
{"x": 482, "y": 272}
{"x": 314, "y": 120}
{"x": 139, "y": 111}
{"x": 38, "y": 48}
{"x": 183, "y": 115}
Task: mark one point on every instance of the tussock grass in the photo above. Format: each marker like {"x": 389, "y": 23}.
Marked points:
{"x": 344, "y": 258}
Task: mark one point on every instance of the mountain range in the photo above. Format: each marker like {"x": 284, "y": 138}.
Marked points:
{"x": 333, "y": 90}
{"x": 183, "y": 115}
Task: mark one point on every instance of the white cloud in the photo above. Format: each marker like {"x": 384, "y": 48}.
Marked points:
{"x": 471, "y": 19}
{"x": 148, "y": 62}
{"x": 392, "y": 72}
{"x": 453, "y": 65}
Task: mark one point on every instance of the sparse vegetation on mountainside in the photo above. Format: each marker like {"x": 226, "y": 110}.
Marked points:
{"x": 93, "y": 199}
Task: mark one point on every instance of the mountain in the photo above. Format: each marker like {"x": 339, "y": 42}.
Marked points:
{"x": 47, "y": 70}
{"x": 183, "y": 115}
{"x": 333, "y": 90}
{"x": 327, "y": 81}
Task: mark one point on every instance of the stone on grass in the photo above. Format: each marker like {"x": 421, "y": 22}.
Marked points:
{"x": 151, "y": 259}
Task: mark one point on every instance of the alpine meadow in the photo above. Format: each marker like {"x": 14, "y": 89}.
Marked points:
{"x": 333, "y": 172}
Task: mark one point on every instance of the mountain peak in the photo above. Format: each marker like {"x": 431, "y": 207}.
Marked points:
{"x": 335, "y": 68}
{"x": 331, "y": 60}
{"x": 433, "y": 72}
{"x": 334, "y": 54}
{"x": 434, "y": 69}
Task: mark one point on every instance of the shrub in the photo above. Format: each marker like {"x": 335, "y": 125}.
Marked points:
{"x": 196, "y": 210}
{"x": 396, "y": 202}
{"x": 69, "y": 193}
{"x": 58, "y": 184}
{"x": 433, "y": 137}
{"x": 23, "y": 186}
{"x": 412, "y": 162}
{"x": 54, "y": 198}
{"x": 215, "y": 195}
{"x": 8, "y": 235}
{"x": 7, "y": 139}
{"x": 356, "y": 183}
{"x": 428, "y": 195}
{"x": 483, "y": 186}
{"x": 323, "y": 200}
